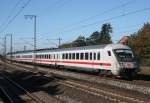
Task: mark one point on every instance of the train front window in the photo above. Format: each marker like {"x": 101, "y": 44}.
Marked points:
{"x": 124, "y": 55}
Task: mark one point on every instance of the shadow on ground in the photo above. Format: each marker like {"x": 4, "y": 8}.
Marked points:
{"x": 35, "y": 82}
{"x": 143, "y": 77}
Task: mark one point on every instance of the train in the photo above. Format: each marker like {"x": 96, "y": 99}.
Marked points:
{"x": 113, "y": 59}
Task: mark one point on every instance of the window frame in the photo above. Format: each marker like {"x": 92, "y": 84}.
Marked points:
{"x": 86, "y": 56}
{"x": 77, "y": 56}
{"x": 81, "y": 56}
{"x": 98, "y": 56}
{"x": 74, "y": 56}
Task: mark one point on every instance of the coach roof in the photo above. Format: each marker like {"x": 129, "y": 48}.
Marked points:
{"x": 73, "y": 48}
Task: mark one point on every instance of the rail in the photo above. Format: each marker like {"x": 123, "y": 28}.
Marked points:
{"x": 33, "y": 97}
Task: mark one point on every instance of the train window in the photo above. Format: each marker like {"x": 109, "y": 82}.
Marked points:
{"x": 77, "y": 55}
{"x": 94, "y": 56}
{"x": 73, "y": 56}
{"x": 109, "y": 53}
{"x": 69, "y": 55}
{"x": 57, "y": 56}
{"x": 63, "y": 56}
{"x": 49, "y": 56}
{"x": 86, "y": 56}
{"x": 54, "y": 56}
{"x": 66, "y": 55}
{"x": 81, "y": 56}
{"x": 98, "y": 56}
{"x": 91, "y": 56}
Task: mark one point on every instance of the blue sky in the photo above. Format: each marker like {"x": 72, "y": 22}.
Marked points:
{"x": 68, "y": 19}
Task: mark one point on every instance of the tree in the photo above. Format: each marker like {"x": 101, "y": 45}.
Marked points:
{"x": 140, "y": 43}
{"x": 102, "y": 37}
{"x": 80, "y": 41}
{"x": 66, "y": 45}
{"x": 105, "y": 34}
{"x": 93, "y": 39}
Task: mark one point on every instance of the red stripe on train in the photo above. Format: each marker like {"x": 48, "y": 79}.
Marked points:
{"x": 70, "y": 62}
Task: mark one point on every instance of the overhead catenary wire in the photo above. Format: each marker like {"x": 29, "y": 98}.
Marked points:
{"x": 14, "y": 17}
{"x": 64, "y": 3}
{"x": 111, "y": 18}
{"x": 58, "y": 3}
{"x": 99, "y": 14}
{"x": 121, "y": 27}
{"x": 46, "y": 42}
{"x": 11, "y": 12}
{"x": 26, "y": 42}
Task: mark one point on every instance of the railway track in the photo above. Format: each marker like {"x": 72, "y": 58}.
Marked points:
{"x": 5, "y": 98}
{"x": 12, "y": 92}
{"x": 99, "y": 92}
{"x": 134, "y": 82}
{"x": 114, "y": 97}
{"x": 142, "y": 87}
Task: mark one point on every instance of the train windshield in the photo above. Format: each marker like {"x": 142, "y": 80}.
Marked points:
{"x": 124, "y": 55}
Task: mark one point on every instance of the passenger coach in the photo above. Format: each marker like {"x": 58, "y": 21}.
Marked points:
{"x": 113, "y": 59}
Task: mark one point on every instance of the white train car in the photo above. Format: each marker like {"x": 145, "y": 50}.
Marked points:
{"x": 116, "y": 59}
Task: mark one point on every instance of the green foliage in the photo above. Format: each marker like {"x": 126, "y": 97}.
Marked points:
{"x": 93, "y": 39}
{"x": 140, "y": 42}
{"x": 66, "y": 45}
{"x": 102, "y": 37}
{"x": 80, "y": 41}
{"x": 105, "y": 34}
